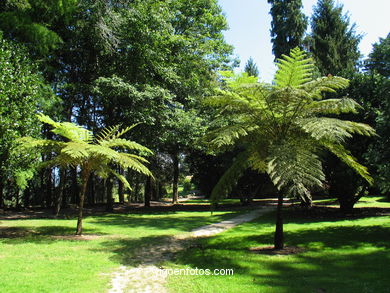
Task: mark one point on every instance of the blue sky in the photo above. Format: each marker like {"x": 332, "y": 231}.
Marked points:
{"x": 250, "y": 23}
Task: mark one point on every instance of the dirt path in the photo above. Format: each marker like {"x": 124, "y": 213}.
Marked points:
{"x": 148, "y": 277}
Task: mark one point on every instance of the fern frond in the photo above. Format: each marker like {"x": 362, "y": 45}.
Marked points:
{"x": 345, "y": 156}
{"x": 76, "y": 151}
{"x": 325, "y": 84}
{"x": 295, "y": 168}
{"x": 333, "y": 106}
{"x": 125, "y": 130}
{"x": 107, "y": 133}
{"x": 129, "y": 161}
{"x": 332, "y": 129}
{"x": 228, "y": 135}
{"x": 122, "y": 178}
{"x": 230, "y": 177}
{"x": 125, "y": 144}
{"x": 45, "y": 145}
{"x": 294, "y": 70}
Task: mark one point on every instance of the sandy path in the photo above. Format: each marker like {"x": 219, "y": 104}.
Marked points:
{"x": 148, "y": 277}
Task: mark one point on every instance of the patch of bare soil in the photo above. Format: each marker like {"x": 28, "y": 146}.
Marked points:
{"x": 78, "y": 237}
{"x": 270, "y": 250}
{"x": 16, "y": 232}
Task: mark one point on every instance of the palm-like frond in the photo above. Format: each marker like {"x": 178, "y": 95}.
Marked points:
{"x": 325, "y": 84}
{"x": 332, "y": 129}
{"x": 230, "y": 177}
{"x": 344, "y": 155}
{"x": 333, "y": 106}
{"x": 124, "y": 144}
{"x": 68, "y": 130}
{"x": 295, "y": 168}
{"x": 294, "y": 70}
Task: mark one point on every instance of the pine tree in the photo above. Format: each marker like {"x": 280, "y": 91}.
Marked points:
{"x": 379, "y": 58}
{"x": 334, "y": 42}
{"x": 251, "y": 68}
{"x": 287, "y": 27}
{"x": 282, "y": 128}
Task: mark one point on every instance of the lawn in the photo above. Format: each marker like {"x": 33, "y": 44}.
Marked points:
{"x": 34, "y": 257}
{"x": 339, "y": 255}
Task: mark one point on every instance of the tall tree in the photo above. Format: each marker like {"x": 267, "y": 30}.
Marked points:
{"x": 251, "y": 68}
{"x": 333, "y": 41}
{"x": 22, "y": 92}
{"x": 379, "y": 59}
{"x": 283, "y": 128}
{"x": 378, "y": 99}
{"x": 288, "y": 25}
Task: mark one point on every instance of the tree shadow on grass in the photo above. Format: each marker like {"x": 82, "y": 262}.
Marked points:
{"x": 336, "y": 259}
{"x": 161, "y": 221}
{"x": 41, "y": 234}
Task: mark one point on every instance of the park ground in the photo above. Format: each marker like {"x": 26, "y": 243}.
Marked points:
{"x": 327, "y": 250}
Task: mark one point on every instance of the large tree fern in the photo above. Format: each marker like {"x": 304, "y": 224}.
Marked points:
{"x": 283, "y": 128}
{"x": 81, "y": 149}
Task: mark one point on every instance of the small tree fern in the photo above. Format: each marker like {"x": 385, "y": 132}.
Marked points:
{"x": 82, "y": 150}
{"x": 282, "y": 128}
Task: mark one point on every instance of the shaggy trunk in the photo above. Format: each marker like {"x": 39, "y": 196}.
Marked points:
{"x": 84, "y": 180}
{"x": 175, "y": 159}
{"x": 278, "y": 240}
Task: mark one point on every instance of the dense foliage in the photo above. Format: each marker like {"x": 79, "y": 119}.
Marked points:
{"x": 288, "y": 26}
{"x": 333, "y": 41}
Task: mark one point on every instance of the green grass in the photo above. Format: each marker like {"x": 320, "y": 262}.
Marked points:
{"x": 341, "y": 255}
{"x": 32, "y": 260}
{"x": 365, "y": 201}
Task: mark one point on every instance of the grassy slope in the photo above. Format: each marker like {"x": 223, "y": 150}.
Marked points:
{"x": 341, "y": 256}
{"x": 31, "y": 260}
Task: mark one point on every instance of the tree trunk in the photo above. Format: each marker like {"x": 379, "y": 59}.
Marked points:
{"x": 136, "y": 189}
{"x": 26, "y": 197}
{"x": 278, "y": 240}
{"x": 75, "y": 188}
{"x": 148, "y": 189}
{"x": 175, "y": 183}
{"x": 121, "y": 192}
{"x": 1, "y": 193}
{"x": 59, "y": 198}
{"x": 84, "y": 180}
{"x": 110, "y": 200}
{"x": 91, "y": 190}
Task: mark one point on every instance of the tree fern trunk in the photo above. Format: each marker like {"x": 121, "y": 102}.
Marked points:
{"x": 278, "y": 240}
{"x": 84, "y": 180}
